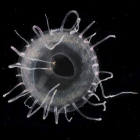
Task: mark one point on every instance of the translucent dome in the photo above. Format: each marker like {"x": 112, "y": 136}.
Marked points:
{"x": 59, "y": 70}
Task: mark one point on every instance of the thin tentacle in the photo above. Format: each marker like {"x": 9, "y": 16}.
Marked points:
{"x": 92, "y": 93}
{"x": 57, "y": 112}
{"x": 88, "y": 39}
{"x": 13, "y": 89}
{"x": 111, "y": 96}
{"x": 76, "y": 108}
{"x": 22, "y": 54}
{"x": 93, "y": 104}
{"x": 40, "y": 34}
{"x": 56, "y": 115}
{"x": 42, "y": 104}
{"x": 97, "y": 78}
{"x": 31, "y": 108}
{"x": 44, "y": 112}
{"x": 23, "y": 93}
{"x": 80, "y": 36}
{"x": 28, "y": 45}
{"x": 51, "y": 48}
{"x": 69, "y": 120}
{"x": 76, "y": 28}
{"x": 25, "y": 102}
{"x": 48, "y": 25}
{"x": 99, "y": 42}
{"x": 64, "y": 20}
{"x": 48, "y": 109}
{"x": 18, "y": 66}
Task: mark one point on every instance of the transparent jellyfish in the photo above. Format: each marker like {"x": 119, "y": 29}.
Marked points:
{"x": 42, "y": 61}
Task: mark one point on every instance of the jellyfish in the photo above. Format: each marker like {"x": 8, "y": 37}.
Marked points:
{"x": 40, "y": 70}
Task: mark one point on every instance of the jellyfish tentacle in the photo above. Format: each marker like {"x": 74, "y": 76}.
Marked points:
{"x": 76, "y": 28}
{"x": 42, "y": 104}
{"x": 97, "y": 104}
{"x": 111, "y": 96}
{"x": 40, "y": 34}
{"x": 45, "y": 109}
{"x": 99, "y": 80}
{"x": 65, "y": 18}
{"x": 76, "y": 108}
{"x": 88, "y": 39}
{"x": 57, "y": 43}
{"x": 28, "y": 45}
{"x": 99, "y": 42}
{"x": 18, "y": 66}
{"x": 48, "y": 25}
{"x": 21, "y": 83}
{"x": 60, "y": 109}
{"x": 25, "y": 102}
{"x": 58, "y": 112}
{"x": 69, "y": 120}
{"x": 56, "y": 115}
{"x": 36, "y": 29}
{"x": 110, "y": 77}
{"x": 81, "y": 34}
{"x": 22, "y": 54}
{"x": 23, "y": 93}
{"x": 124, "y": 92}
{"x": 31, "y": 108}
{"x": 93, "y": 94}
{"x": 48, "y": 109}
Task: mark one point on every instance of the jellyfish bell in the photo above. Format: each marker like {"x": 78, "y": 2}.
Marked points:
{"x": 59, "y": 70}
{"x": 71, "y": 87}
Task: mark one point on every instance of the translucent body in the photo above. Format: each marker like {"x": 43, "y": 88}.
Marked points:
{"x": 39, "y": 82}
{"x": 50, "y": 90}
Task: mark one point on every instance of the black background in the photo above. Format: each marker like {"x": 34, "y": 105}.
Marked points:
{"x": 121, "y": 56}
